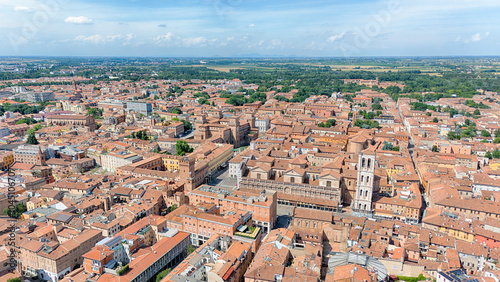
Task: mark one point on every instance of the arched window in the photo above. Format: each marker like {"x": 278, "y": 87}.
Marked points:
{"x": 369, "y": 163}
{"x": 362, "y": 162}
{"x": 368, "y": 180}
{"x": 362, "y": 179}
{"x": 366, "y": 193}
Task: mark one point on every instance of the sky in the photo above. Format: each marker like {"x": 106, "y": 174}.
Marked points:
{"x": 231, "y": 28}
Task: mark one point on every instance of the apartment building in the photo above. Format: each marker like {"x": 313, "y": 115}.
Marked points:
{"x": 176, "y": 127}
{"x": 113, "y": 160}
{"x": 166, "y": 253}
{"x": 6, "y": 159}
{"x": 51, "y": 261}
{"x": 263, "y": 123}
{"x": 29, "y": 154}
{"x": 262, "y": 205}
{"x": 37, "y": 97}
{"x": 113, "y": 104}
{"x": 140, "y": 107}
{"x": 204, "y": 221}
{"x": 218, "y": 259}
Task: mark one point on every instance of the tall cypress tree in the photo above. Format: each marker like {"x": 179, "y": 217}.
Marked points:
{"x": 32, "y": 139}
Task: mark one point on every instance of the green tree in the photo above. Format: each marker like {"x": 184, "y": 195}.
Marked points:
{"x": 395, "y": 148}
{"x": 435, "y": 148}
{"x": 95, "y": 112}
{"x": 34, "y": 129}
{"x": 485, "y": 133}
{"x": 477, "y": 112}
{"x": 496, "y": 140}
{"x": 497, "y": 133}
{"x": 453, "y": 136}
{"x": 187, "y": 124}
{"x": 488, "y": 155}
{"x": 496, "y": 154}
{"x": 182, "y": 147}
{"x": 173, "y": 207}
{"x": 435, "y": 120}
{"x": 376, "y": 107}
{"x": 203, "y": 101}
{"x": 412, "y": 279}
{"x": 122, "y": 270}
{"x": 162, "y": 274}
{"x": 281, "y": 98}
{"x": 190, "y": 249}
{"x": 19, "y": 209}
{"x": 176, "y": 110}
{"x": 366, "y": 124}
{"x": 27, "y": 121}
{"x": 32, "y": 139}
{"x": 141, "y": 134}
{"x": 331, "y": 122}
{"x": 387, "y": 146}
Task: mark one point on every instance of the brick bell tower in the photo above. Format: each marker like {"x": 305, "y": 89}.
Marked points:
{"x": 186, "y": 173}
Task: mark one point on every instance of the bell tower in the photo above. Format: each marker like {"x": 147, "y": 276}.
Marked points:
{"x": 186, "y": 173}
{"x": 234, "y": 124}
{"x": 364, "y": 183}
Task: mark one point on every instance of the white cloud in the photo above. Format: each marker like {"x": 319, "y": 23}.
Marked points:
{"x": 165, "y": 37}
{"x": 24, "y": 9}
{"x": 251, "y": 25}
{"x": 334, "y": 38}
{"x": 313, "y": 45}
{"x": 104, "y": 39}
{"x": 78, "y": 20}
{"x": 188, "y": 42}
{"x": 276, "y": 42}
{"x": 476, "y": 37}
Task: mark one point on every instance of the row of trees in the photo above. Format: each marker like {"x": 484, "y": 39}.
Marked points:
{"x": 20, "y": 108}
{"x": 329, "y": 123}
{"x": 241, "y": 99}
{"x": 366, "y": 124}
{"x": 141, "y": 134}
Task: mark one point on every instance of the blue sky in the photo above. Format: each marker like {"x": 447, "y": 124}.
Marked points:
{"x": 236, "y": 27}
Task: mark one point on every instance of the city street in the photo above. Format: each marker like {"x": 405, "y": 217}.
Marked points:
{"x": 189, "y": 135}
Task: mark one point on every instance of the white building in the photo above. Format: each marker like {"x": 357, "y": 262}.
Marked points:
{"x": 113, "y": 160}
{"x": 263, "y": 123}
